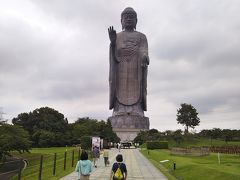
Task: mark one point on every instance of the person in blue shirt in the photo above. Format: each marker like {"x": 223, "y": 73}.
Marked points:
{"x": 84, "y": 167}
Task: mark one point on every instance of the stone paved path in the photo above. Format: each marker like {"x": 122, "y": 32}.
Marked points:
{"x": 139, "y": 168}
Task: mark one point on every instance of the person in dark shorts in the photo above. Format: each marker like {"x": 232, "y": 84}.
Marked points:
{"x": 96, "y": 154}
{"x": 122, "y": 166}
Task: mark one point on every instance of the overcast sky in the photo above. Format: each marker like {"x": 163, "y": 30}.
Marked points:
{"x": 55, "y": 53}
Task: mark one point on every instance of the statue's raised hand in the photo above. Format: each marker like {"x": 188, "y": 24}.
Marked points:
{"x": 112, "y": 35}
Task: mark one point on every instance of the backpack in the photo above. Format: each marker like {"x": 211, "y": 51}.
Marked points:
{"x": 118, "y": 174}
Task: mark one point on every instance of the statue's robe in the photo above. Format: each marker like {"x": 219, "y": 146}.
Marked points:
{"x": 128, "y": 73}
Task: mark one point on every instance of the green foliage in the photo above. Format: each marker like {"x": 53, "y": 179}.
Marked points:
{"x": 225, "y": 134}
{"x": 188, "y": 116}
{"x": 86, "y": 142}
{"x": 212, "y": 137}
{"x": 142, "y": 137}
{"x": 178, "y": 137}
{"x": 46, "y": 126}
{"x": 157, "y": 144}
{"x": 92, "y": 127}
{"x": 151, "y": 135}
{"x": 13, "y": 138}
{"x": 44, "y": 138}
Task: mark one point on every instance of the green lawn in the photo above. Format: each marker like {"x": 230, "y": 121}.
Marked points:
{"x": 33, "y": 158}
{"x": 206, "y": 167}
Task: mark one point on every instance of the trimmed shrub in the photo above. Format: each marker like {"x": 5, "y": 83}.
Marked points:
{"x": 86, "y": 142}
{"x": 157, "y": 144}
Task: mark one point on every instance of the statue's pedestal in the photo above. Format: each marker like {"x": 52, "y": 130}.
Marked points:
{"x": 128, "y": 126}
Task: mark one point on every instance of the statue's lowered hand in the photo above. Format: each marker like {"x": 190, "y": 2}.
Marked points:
{"x": 112, "y": 34}
{"x": 145, "y": 61}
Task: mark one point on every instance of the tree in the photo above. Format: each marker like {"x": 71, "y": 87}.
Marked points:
{"x": 188, "y": 116}
{"x": 13, "y": 138}
{"x": 92, "y": 127}
{"x": 141, "y": 137}
{"x": 46, "y": 126}
{"x": 86, "y": 142}
{"x": 177, "y": 136}
{"x": 153, "y": 135}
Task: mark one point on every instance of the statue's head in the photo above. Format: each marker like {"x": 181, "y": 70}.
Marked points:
{"x": 129, "y": 18}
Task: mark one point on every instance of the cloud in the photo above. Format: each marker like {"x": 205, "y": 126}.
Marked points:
{"x": 55, "y": 53}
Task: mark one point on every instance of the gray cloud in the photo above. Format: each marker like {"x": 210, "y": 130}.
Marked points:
{"x": 55, "y": 53}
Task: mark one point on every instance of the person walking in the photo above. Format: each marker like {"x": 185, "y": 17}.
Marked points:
{"x": 119, "y": 147}
{"x": 96, "y": 155}
{"x": 84, "y": 167}
{"x": 119, "y": 169}
{"x": 106, "y": 156}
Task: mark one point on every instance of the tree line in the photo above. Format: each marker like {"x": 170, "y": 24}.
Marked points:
{"x": 46, "y": 127}
{"x": 180, "y": 136}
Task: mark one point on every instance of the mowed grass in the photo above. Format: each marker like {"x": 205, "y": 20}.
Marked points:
{"x": 197, "y": 168}
{"x": 33, "y": 158}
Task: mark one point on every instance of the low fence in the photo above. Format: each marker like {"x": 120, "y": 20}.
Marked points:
{"x": 44, "y": 166}
{"x": 203, "y": 151}
{"x": 225, "y": 149}
{"x": 192, "y": 151}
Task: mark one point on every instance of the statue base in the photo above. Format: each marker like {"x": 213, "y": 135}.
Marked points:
{"x": 128, "y": 126}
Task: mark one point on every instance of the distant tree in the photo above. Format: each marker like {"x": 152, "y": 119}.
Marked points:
{"x": 13, "y": 138}
{"x": 141, "y": 137}
{"x": 106, "y": 132}
{"x": 43, "y": 138}
{"x": 86, "y": 142}
{"x": 153, "y": 135}
{"x": 188, "y": 116}
{"x": 168, "y": 133}
{"x": 227, "y": 135}
{"x": 46, "y": 126}
{"x": 216, "y": 133}
{"x": 84, "y": 128}
{"x": 153, "y": 131}
{"x": 92, "y": 127}
{"x": 178, "y": 136}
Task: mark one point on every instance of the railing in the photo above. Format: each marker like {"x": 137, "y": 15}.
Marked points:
{"x": 225, "y": 149}
{"x": 40, "y": 167}
{"x": 192, "y": 151}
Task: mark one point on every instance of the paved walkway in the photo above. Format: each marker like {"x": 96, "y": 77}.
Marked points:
{"x": 139, "y": 168}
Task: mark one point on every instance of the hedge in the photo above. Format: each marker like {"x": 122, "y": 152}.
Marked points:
{"x": 86, "y": 142}
{"x": 157, "y": 144}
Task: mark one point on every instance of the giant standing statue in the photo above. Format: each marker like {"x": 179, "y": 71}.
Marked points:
{"x": 128, "y": 77}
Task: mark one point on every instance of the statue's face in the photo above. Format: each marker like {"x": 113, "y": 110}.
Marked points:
{"x": 129, "y": 21}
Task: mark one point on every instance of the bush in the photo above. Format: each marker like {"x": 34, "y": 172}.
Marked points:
{"x": 157, "y": 144}
{"x": 86, "y": 142}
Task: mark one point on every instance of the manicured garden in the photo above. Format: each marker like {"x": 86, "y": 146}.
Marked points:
{"x": 200, "y": 167}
